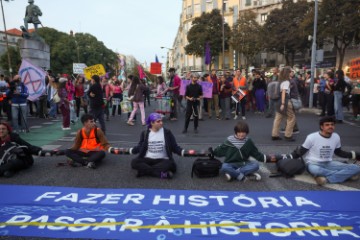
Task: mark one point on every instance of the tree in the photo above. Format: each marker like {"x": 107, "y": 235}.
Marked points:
{"x": 340, "y": 21}
{"x": 207, "y": 28}
{"x": 281, "y": 32}
{"x": 15, "y": 60}
{"x": 246, "y": 36}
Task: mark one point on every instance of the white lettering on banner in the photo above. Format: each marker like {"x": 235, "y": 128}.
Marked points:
{"x": 93, "y": 198}
{"x": 212, "y": 228}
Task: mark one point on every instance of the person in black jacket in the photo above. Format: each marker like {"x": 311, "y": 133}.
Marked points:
{"x": 155, "y": 150}
{"x": 15, "y": 153}
{"x": 95, "y": 94}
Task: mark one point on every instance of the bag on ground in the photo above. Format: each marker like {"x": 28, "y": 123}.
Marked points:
{"x": 288, "y": 167}
{"x": 204, "y": 168}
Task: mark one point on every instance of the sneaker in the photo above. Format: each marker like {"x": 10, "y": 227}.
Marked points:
{"x": 243, "y": 118}
{"x": 91, "y": 165}
{"x": 218, "y": 118}
{"x": 235, "y": 117}
{"x": 321, "y": 180}
{"x": 228, "y": 177}
{"x": 166, "y": 175}
{"x": 130, "y": 123}
{"x": 254, "y": 176}
{"x": 276, "y": 138}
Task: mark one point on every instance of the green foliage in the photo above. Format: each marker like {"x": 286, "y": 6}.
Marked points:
{"x": 15, "y": 60}
{"x": 281, "y": 32}
{"x": 82, "y": 47}
{"x": 207, "y": 28}
{"x": 246, "y": 36}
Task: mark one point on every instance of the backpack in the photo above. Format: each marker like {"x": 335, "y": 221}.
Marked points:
{"x": 10, "y": 151}
{"x": 289, "y": 167}
{"x": 204, "y": 168}
{"x": 273, "y": 90}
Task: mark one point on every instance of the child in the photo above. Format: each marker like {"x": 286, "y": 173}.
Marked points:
{"x": 237, "y": 149}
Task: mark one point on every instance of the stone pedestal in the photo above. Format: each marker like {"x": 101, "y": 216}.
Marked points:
{"x": 36, "y": 52}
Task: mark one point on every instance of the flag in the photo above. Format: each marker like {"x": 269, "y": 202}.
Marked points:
{"x": 156, "y": 59}
{"x": 33, "y": 78}
{"x": 207, "y": 54}
{"x": 141, "y": 72}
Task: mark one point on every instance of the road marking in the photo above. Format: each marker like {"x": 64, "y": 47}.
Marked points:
{"x": 50, "y": 147}
{"x": 35, "y": 127}
{"x": 48, "y": 123}
{"x": 310, "y": 179}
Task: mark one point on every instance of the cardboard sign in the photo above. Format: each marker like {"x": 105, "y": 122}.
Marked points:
{"x": 78, "y": 68}
{"x": 355, "y": 68}
{"x": 238, "y": 96}
{"x": 97, "y": 69}
{"x": 155, "y": 68}
{"x": 206, "y": 87}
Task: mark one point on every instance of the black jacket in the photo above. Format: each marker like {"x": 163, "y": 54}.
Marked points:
{"x": 96, "y": 102}
{"x": 170, "y": 144}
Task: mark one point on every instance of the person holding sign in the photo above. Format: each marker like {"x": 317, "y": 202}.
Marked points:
{"x": 318, "y": 150}
{"x": 193, "y": 94}
{"x": 239, "y": 82}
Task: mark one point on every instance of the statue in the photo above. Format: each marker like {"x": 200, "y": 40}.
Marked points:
{"x": 32, "y": 15}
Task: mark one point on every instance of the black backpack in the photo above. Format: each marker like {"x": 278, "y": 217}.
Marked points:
{"x": 204, "y": 168}
{"x": 288, "y": 167}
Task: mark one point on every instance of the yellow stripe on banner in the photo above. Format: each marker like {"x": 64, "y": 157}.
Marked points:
{"x": 278, "y": 230}
{"x": 188, "y": 226}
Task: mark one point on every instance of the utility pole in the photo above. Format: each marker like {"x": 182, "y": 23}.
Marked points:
{"x": 223, "y": 34}
{"x": 313, "y": 56}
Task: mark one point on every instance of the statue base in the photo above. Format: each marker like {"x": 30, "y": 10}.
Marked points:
{"x": 35, "y": 51}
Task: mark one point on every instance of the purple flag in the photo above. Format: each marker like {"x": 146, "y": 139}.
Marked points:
{"x": 207, "y": 54}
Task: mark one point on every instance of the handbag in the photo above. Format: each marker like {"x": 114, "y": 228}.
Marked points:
{"x": 296, "y": 102}
{"x": 56, "y": 97}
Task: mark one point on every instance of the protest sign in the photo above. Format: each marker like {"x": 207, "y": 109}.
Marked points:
{"x": 33, "y": 78}
{"x": 206, "y": 87}
{"x": 132, "y": 214}
{"x": 155, "y": 68}
{"x": 238, "y": 95}
{"x": 78, "y": 68}
{"x": 97, "y": 69}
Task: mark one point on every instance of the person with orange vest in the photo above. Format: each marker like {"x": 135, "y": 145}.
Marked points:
{"x": 239, "y": 82}
{"x": 89, "y": 146}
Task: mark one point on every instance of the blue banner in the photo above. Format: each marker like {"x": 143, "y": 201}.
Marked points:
{"x": 58, "y": 212}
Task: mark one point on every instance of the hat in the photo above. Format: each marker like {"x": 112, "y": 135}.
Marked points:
{"x": 152, "y": 118}
{"x": 171, "y": 70}
{"x": 62, "y": 79}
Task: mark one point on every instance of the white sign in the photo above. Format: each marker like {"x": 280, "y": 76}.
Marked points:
{"x": 78, "y": 68}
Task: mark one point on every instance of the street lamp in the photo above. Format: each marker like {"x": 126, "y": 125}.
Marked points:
{"x": 6, "y": 38}
{"x": 313, "y": 56}
{"x": 167, "y": 48}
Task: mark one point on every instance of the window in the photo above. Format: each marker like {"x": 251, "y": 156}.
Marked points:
{"x": 263, "y": 17}
{"x": 209, "y": 5}
{"x": 197, "y": 8}
{"x": 248, "y": 3}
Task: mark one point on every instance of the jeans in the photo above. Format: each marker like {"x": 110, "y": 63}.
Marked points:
{"x": 53, "y": 109}
{"x": 225, "y": 107}
{"x": 137, "y": 105}
{"x": 239, "y": 173}
{"x": 17, "y": 111}
{"x": 271, "y": 110}
{"x": 334, "y": 171}
{"x": 339, "y": 115}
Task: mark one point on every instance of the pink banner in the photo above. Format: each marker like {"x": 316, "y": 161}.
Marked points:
{"x": 206, "y": 87}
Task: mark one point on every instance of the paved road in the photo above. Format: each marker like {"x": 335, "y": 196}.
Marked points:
{"x": 115, "y": 172}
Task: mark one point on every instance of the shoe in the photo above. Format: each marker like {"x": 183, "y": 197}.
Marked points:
{"x": 355, "y": 178}
{"x": 276, "y": 138}
{"x": 166, "y": 175}
{"x": 321, "y": 180}
{"x": 227, "y": 118}
{"x": 254, "y": 176}
{"x": 243, "y": 118}
{"x": 235, "y": 117}
{"x": 218, "y": 118}
{"x": 184, "y": 131}
{"x": 72, "y": 121}
{"x": 72, "y": 163}
{"x": 290, "y": 139}
{"x": 228, "y": 177}
{"x": 196, "y": 131}
{"x": 91, "y": 165}
{"x": 8, "y": 174}
{"x": 130, "y": 123}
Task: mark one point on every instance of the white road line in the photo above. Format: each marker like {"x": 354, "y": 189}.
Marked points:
{"x": 51, "y": 147}
{"x": 308, "y": 179}
{"x": 35, "y": 127}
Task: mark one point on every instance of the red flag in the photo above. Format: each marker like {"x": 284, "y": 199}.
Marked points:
{"x": 141, "y": 72}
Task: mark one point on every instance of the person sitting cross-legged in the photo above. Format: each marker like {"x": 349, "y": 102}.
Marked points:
{"x": 90, "y": 144}
{"x": 155, "y": 150}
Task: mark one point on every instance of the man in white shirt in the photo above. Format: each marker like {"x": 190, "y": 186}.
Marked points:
{"x": 318, "y": 150}
{"x": 155, "y": 150}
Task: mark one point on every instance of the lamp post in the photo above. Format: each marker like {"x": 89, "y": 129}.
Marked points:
{"x": 223, "y": 32}
{"x": 6, "y": 39}
{"x": 313, "y": 55}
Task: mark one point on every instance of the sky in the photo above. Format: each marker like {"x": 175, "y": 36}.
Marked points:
{"x": 130, "y": 27}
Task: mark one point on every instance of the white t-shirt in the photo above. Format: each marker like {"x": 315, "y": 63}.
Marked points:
{"x": 156, "y": 147}
{"x": 285, "y": 85}
{"x": 321, "y": 149}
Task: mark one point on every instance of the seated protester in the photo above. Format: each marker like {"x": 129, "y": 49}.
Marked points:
{"x": 155, "y": 150}
{"x": 90, "y": 144}
{"x": 318, "y": 150}
{"x": 237, "y": 149}
{"x": 15, "y": 153}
